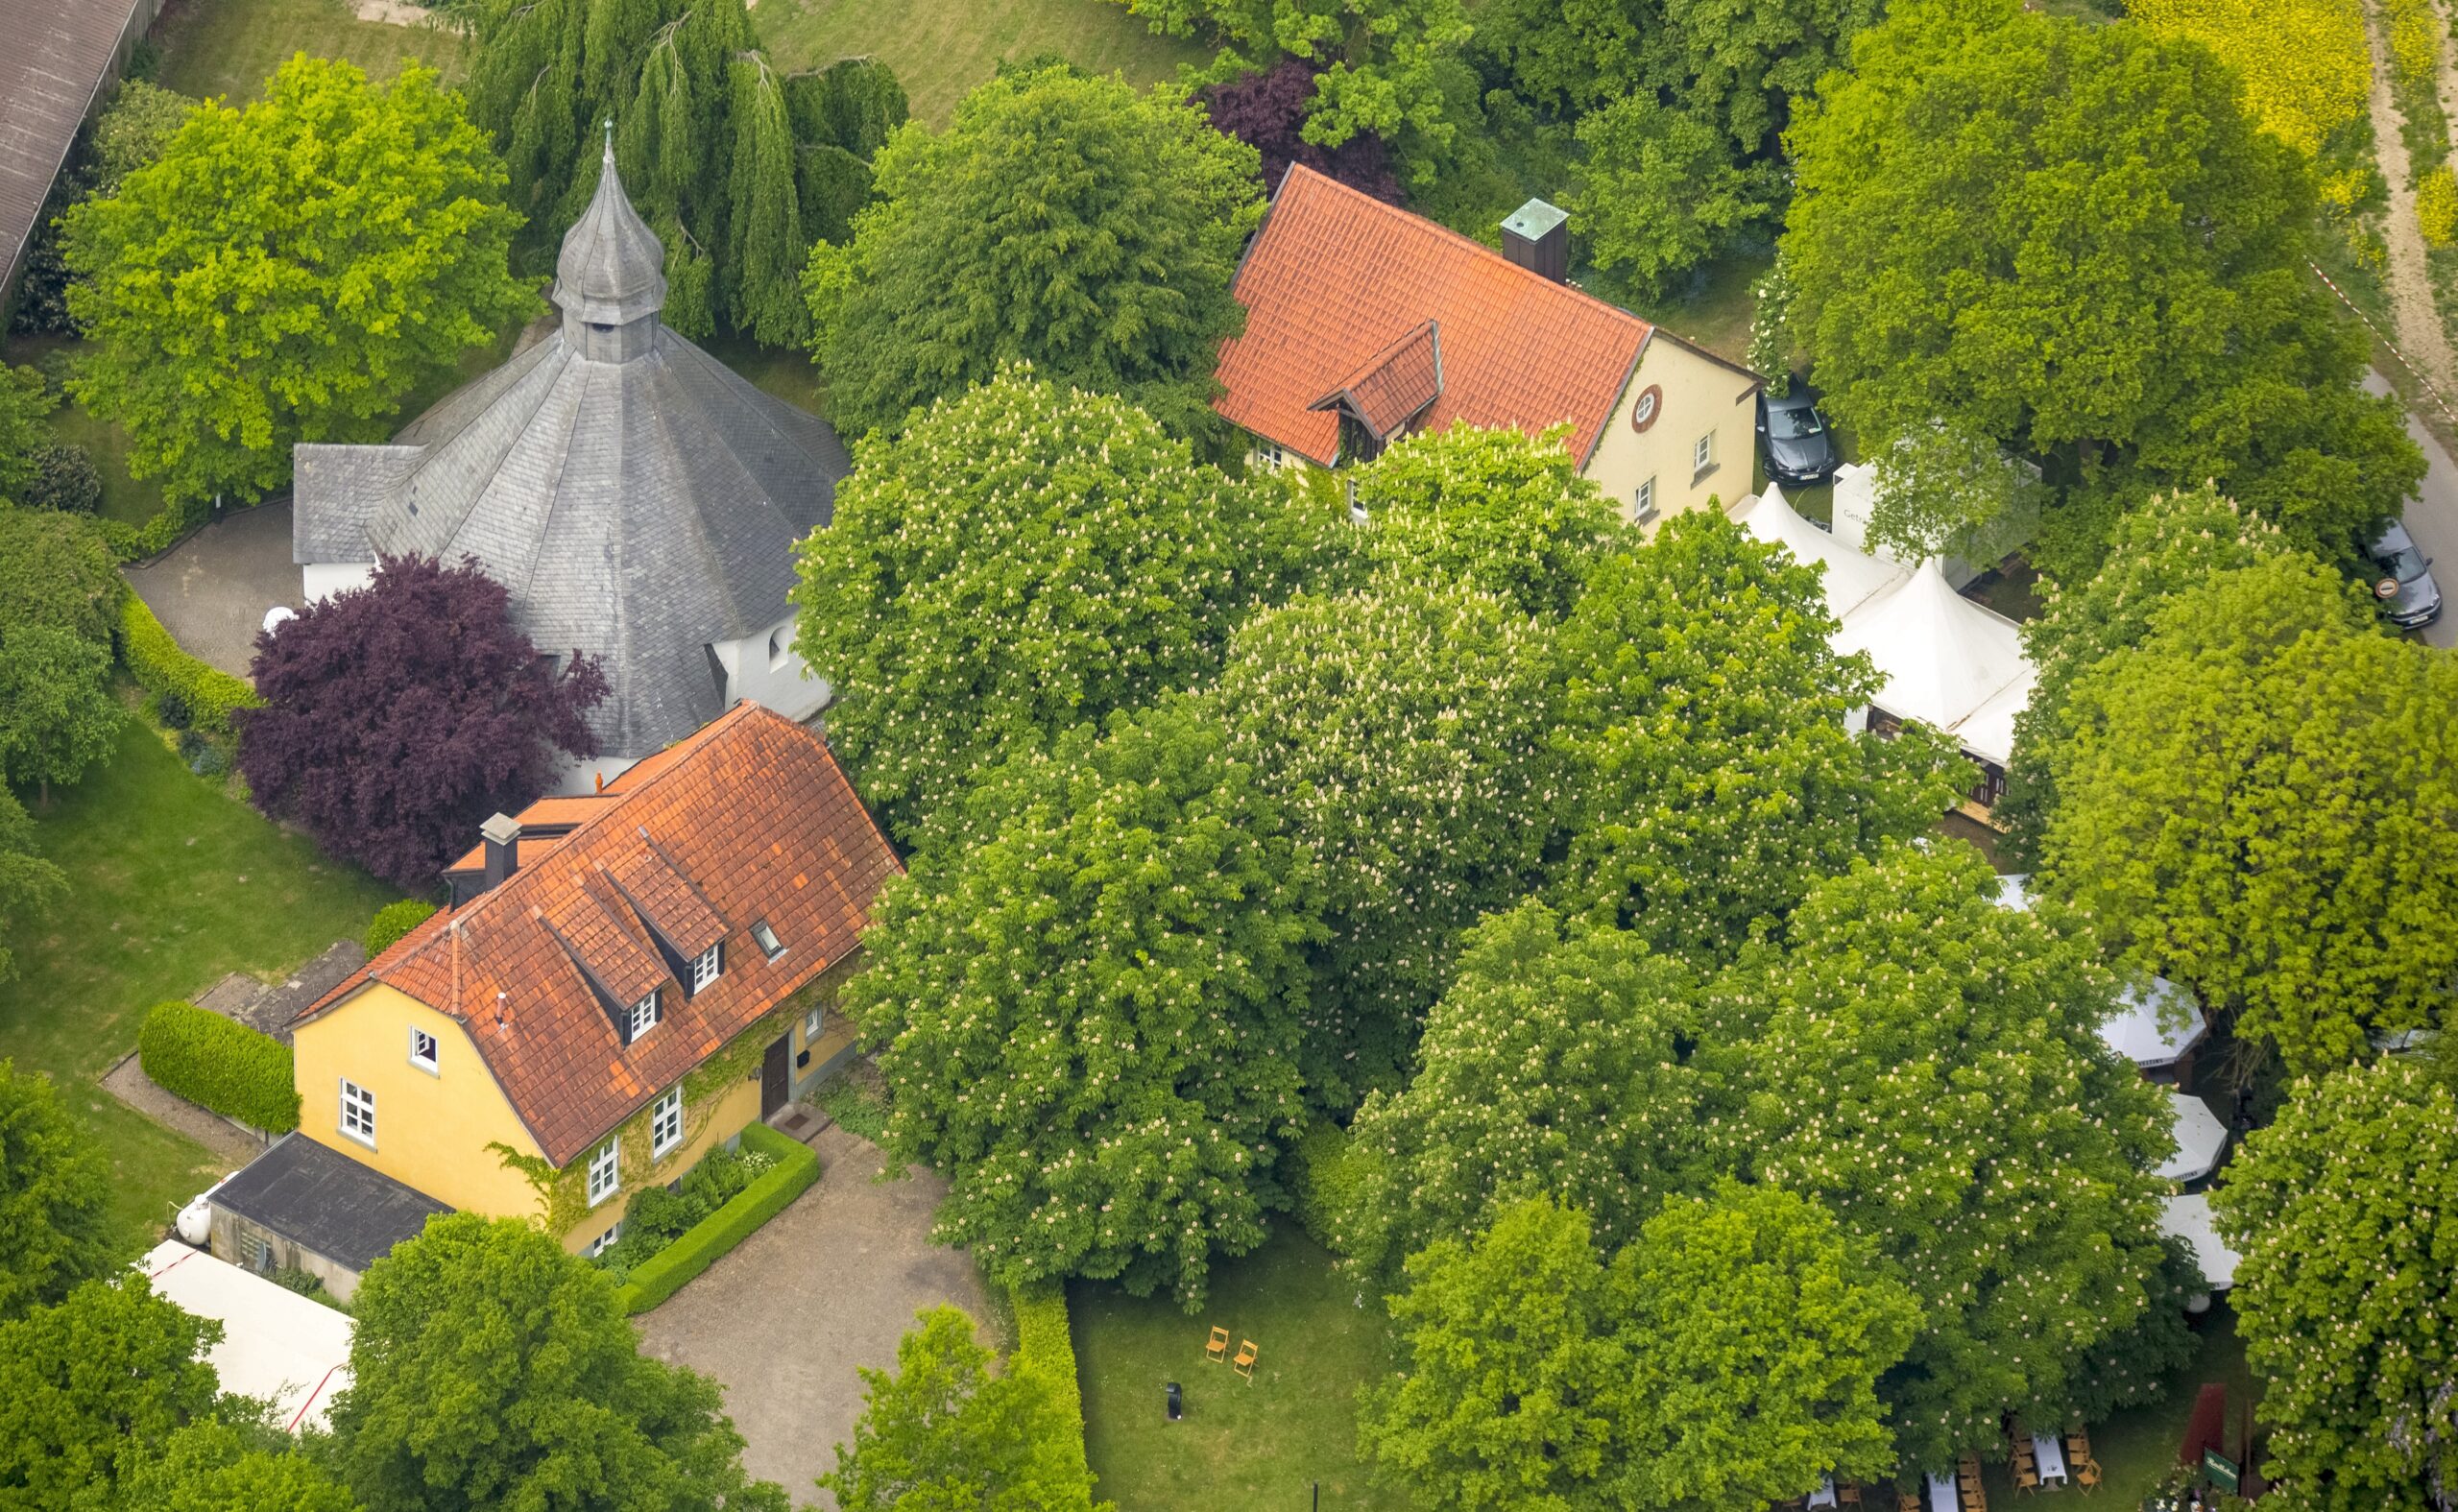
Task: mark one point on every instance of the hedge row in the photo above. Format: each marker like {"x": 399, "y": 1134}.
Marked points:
{"x": 1045, "y": 1352}
{"x": 221, "y": 1064}
{"x": 392, "y": 921}
{"x": 696, "y": 1248}
{"x": 136, "y": 542}
{"x": 160, "y": 666}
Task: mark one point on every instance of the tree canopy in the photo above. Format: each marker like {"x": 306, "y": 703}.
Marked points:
{"x": 54, "y": 1191}
{"x": 215, "y": 1465}
{"x": 489, "y": 1368}
{"x": 2344, "y": 1214}
{"x": 391, "y": 744}
{"x": 1267, "y": 109}
{"x": 1497, "y": 510}
{"x": 56, "y": 571}
{"x": 59, "y": 717}
{"x": 1026, "y": 558}
{"x": 942, "y": 1431}
{"x": 1923, "y": 1062}
{"x": 30, "y": 885}
{"x": 286, "y": 271}
{"x": 90, "y": 1386}
{"x": 2261, "y": 802}
{"x": 1558, "y": 1064}
{"x": 1089, "y": 1019}
{"x": 2068, "y": 239}
{"x": 1062, "y": 220}
{"x": 1714, "y": 778}
{"x": 1405, "y": 731}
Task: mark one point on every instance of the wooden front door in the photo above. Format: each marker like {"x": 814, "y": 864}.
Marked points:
{"x": 773, "y": 1069}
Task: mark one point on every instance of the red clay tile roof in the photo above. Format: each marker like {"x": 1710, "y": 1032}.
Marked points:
{"x": 1394, "y": 385}
{"x": 749, "y": 820}
{"x": 1336, "y": 276}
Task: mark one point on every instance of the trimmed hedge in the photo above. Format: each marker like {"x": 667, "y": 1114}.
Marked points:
{"x": 160, "y": 667}
{"x": 1045, "y": 1352}
{"x": 694, "y": 1250}
{"x": 394, "y": 921}
{"x": 221, "y": 1064}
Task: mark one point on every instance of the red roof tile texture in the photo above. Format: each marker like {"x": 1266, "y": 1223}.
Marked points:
{"x": 1334, "y": 277}
{"x": 749, "y": 820}
{"x": 1394, "y": 385}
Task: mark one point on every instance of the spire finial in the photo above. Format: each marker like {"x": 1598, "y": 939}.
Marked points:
{"x": 609, "y": 141}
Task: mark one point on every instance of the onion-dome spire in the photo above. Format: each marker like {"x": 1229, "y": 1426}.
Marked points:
{"x": 612, "y": 270}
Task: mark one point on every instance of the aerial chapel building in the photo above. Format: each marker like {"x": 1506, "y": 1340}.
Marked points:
{"x": 639, "y": 500}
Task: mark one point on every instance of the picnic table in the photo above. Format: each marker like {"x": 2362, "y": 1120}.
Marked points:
{"x": 1942, "y": 1494}
{"x": 2051, "y": 1456}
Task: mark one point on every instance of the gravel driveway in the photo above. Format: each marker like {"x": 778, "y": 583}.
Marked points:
{"x": 829, "y": 1284}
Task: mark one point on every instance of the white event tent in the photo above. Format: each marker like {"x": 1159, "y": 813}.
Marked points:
{"x": 2200, "y": 1137}
{"x": 2153, "y": 1026}
{"x": 2188, "y": 1218}
{"x": 276, "y": 1343}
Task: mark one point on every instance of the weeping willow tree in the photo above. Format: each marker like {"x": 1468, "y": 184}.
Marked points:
{"x": 737, "y": 168}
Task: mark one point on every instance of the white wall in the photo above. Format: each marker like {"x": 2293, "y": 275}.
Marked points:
{"x": 766, "y": 669}
{"x": 325, "y": 579}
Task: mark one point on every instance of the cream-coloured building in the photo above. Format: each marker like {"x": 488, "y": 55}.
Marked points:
{"x": 1365, "y": 323}
{"x": 626, "y": 979}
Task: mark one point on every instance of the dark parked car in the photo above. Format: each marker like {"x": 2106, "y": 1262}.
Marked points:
{"x": 2410, "y": 599}
{"x": 1799, "y": 448}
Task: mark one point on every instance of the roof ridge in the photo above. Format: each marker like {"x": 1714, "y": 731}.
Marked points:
{"x": 1423, "y": 223}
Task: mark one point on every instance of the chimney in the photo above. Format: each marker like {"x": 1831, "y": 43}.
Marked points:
{"x": 1537, "y": 237}
{"x": 501, "y": 834}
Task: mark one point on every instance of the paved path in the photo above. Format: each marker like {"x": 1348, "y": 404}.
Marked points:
{"x": 212, "y": 591}
{"x": 827, "y": 1284}
{"x": 233, "y": 1146}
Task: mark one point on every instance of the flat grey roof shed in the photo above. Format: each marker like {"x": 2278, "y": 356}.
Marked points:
{"x": 324, "y": 1201}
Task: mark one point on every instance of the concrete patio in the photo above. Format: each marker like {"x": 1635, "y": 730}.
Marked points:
{"x": 211, "y": 590}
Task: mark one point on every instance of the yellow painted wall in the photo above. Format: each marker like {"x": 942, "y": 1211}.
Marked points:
{"x": 727, "y": 1111}
{"x": 1700, "y": 397}
{"x": 432, "y": 1128}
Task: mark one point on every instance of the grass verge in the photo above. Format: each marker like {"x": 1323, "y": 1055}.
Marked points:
{"x": 230, "y": 47}
{"x": 1240, "y": 1445}
{"x": 172, "y": 885}
{"x": 940, "y": 50}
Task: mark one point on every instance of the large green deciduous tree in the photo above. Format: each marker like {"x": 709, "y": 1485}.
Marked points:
{"x": 1404, "y": 731}
{"x": 30, "y": 886}
{"x": 2173, "y": 543}
{"x": 1552, "y": 1067}
{"x": 1705, "y": 710}
{"x": 2346, "y": 1213}
{"x": 2261, "y": 802}
{"x": 944, "y": 1432}
{"x": 1064, "y": 221}
{"x": 1497, "y": 510}
{"x": 57, "y": 714}
{"x": 1924, "y": 1062}
{"x": 1089, "y": 1019}
{"x": 287, "y": 271}
{"x": 1027, "y": 556}
{"x": 56, "y": 571}
{"x": 55, "y": 1188}
{"x": 215, "y": 1465}
{"x": 1660, "y": 190}
{"x": 2069, "y": 239}
{"x": 490, "y": 1369}
{"x": 90, "y": 1387}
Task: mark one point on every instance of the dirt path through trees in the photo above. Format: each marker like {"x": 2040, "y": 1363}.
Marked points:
{"x": 2420, "y": 334}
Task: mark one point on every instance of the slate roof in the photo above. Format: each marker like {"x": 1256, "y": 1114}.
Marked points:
{"x": 321, "y": 1198}
{"x": 59, "y": 57}
{"x": 637, "y": 510}
{"x": 1336, "y": 277}
{"x": 750, "y": 820}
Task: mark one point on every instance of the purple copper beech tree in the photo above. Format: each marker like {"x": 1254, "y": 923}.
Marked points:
{"x": 1267, "y": 111}
{"x": 397, "y": 717}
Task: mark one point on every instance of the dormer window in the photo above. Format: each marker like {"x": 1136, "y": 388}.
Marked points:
{"x": 644, "y": 1015}
{"x": 706, "y": 966}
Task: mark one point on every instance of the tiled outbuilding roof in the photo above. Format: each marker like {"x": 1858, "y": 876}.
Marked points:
{"x": 1336, "y": 278}
{"x": 750, "y": 820}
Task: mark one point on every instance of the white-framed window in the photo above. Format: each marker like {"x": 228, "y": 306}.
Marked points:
{"x": 644, "y": 1015}
{"x": 813, "y": 1023}
{"x": 1268, "y": 453}
{"x": 776, "y": 650}
{"x": 1702, "y": 456}
{"x": 605, "y": 1241}
{"x": 706, "y": 966}
{"x": 423, "y": 1048}
{"x": 358, "y": 1112}
{"x": 1645, "y": 501}
{"x": 666, "y": 1123}
{"x": 769, "y": 944}
{"x": 605, "y": 1171}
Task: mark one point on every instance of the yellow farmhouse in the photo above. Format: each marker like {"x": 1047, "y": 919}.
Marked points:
{"x": 1365, "y": 323}
{"x": 625, "y": 980}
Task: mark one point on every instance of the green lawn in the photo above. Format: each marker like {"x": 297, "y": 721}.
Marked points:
{"x": 940, "y": 49}
{"x": 172, "y": 885}
{"x": 1715, "y": 306}
{"x": 230, "y": 47}
{"x": 1248, "y": 1447}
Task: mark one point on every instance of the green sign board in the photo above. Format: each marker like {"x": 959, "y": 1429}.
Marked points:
{"x": 2221, "y": 1469}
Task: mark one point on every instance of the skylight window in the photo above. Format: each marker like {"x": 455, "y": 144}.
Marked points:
{"x": 769, "y": 944}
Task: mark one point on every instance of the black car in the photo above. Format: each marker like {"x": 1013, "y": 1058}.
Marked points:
{"x": 1799, "y": 448}
{"x": 2410, "y": 599}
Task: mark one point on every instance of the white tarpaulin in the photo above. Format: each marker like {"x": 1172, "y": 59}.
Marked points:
{"x": 2189, "y": 1219}
{"x": 275, "y": 1344}
{"x": 2199, "y": 1139}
